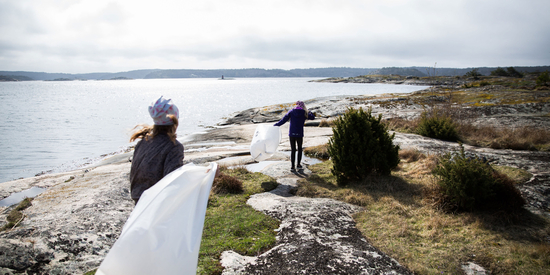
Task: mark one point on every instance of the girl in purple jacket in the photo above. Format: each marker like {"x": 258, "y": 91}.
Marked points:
{"x": 297, "y": 117}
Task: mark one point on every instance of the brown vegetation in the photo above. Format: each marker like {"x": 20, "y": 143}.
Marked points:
{"x": 402, "y": 217}
{"x": 522, "y": 138}
{"x": 320, "y": 151}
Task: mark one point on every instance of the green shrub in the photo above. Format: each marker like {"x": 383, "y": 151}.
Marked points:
{"x": 437, "y": 124}
{"x": 499, "y": 72}
{"x": 473, "y": 73}
{"x": 513, "y": 72}
{"x": 361, "y": 145}
{"x": 543, "y": 78}
{"x": 471, "y": 184}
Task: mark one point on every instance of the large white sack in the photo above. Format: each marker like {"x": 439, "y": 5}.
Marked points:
{"x": 265, "y": 142}
{"x": 163, "y": 233}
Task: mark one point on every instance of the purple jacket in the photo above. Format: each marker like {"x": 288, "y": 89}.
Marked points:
{"x": 153, "y": 160}
{"x": 297, "y": 119}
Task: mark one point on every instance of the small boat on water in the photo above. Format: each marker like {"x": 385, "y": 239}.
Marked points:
{"x": 226, "y": 78}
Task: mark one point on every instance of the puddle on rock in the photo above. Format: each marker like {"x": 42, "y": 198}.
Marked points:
{"x": 19, "y": 196}
{"x": 305, "y": 159}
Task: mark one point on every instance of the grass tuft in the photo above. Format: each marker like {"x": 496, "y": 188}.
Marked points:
{"x": 320, "y": 151}
{"x": 224, "y": 184}
{"x": 16, "y": 216}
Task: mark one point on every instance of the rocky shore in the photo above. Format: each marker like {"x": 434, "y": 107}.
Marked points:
{"x": 71, "y": 226}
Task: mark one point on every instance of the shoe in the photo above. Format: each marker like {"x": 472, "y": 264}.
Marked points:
{"x": 299, "y": 166}
{"x": 292, "y": 169}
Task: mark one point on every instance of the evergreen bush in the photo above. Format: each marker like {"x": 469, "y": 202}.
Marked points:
{"x": 473, "y": 73}
{"x": 437, "y": 124}
{"x": 513, "y": 72}
{"x": 499, "y": 72}
{"x": 361, "y": 145}
{"x": 469, "y": 183}
{"x": 543, "y": 79}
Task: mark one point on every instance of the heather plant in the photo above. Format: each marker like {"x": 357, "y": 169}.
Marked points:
{"x": 437, "y": 124}
{"x": 225, "y": 184}
{"x": 361, "y": 145}
{"x": 469, "y": 183}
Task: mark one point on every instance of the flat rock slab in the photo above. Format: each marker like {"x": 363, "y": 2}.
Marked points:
{"x": 316, "y": 236}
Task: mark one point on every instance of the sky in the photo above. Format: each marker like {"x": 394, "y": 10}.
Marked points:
{"x": 84, "y": 36}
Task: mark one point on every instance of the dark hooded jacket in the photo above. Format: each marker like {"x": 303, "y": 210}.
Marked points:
{"x": 153, "y": 159}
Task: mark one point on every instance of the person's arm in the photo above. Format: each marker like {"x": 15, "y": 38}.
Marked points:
{"x": 310, "y": 116}
{"x": 283, "y": 120}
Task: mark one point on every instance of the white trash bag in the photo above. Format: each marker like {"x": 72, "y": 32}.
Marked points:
{"x": 164, "y": 231}
{"x": 265, "y": 142}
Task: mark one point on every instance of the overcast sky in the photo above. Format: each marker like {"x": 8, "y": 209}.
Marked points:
{"x": 82, "y": 36}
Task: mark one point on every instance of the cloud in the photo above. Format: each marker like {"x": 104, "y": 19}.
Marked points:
{"x": 103, "y": 35}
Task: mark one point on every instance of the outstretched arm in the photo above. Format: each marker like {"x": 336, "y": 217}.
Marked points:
{"x": 283, "y": 120}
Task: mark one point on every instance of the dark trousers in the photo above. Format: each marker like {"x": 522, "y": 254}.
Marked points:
{"x": 293, "y": 142}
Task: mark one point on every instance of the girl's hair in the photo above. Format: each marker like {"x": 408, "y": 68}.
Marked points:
{"x": 302, "y": 105}
{"x": 149, "y": 132}
{"x": 305, "y": 109}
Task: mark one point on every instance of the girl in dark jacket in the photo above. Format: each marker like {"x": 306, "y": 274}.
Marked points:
{"x": 158, "y": 152}
{"x": 297, "y": 117}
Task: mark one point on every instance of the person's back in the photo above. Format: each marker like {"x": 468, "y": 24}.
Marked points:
{"x": 158, "y": 152}
{"x": 297, "y": 117}
{"x": 153, "y": 159}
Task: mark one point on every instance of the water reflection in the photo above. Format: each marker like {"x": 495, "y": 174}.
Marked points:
{"x": 19, "y": 196}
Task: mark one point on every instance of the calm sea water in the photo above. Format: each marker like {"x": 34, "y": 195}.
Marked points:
{"x": 59, "y": 126}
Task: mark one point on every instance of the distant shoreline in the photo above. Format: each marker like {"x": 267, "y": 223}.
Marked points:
{"x": 328, "y": 72}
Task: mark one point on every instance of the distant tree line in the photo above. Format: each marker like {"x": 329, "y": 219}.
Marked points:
{"x": 257, "y": 72}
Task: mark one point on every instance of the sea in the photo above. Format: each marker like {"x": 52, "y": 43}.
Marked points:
{"x": 56, "y": 126}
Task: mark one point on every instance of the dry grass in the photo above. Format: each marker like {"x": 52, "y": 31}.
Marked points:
{"x": 401, "y": 125}
{"x": 399, "y": 220}
{"x": 320, "y": 151}
{"x": 326, "y": 122}
{"x": 410, "y": 154}
{"x": 225, "y": 184}
{"x": 16, "y": 216}
{"x": 523, "y": 138}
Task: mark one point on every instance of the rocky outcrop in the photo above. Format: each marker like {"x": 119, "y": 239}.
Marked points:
{"x": 316, "y": 236}
{"x": 72, "y": 225}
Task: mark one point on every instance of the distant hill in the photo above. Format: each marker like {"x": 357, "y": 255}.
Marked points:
{"x": 400, "y": 71}
{"x": 256, "y": 72}
{"x": 481, "y": 70}
{"x": 313, "y": 72}
{"x": 137, "y": 74}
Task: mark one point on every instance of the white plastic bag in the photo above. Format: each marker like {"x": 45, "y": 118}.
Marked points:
{"x": 163, "y": 233}
{"x": 265, "y": 142}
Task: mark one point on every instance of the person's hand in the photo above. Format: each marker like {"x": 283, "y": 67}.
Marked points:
{"x": 217, "y": 172}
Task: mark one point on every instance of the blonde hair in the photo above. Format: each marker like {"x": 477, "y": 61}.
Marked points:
{"x": 149, "y": 132}
{"x": 305, "y": 109}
